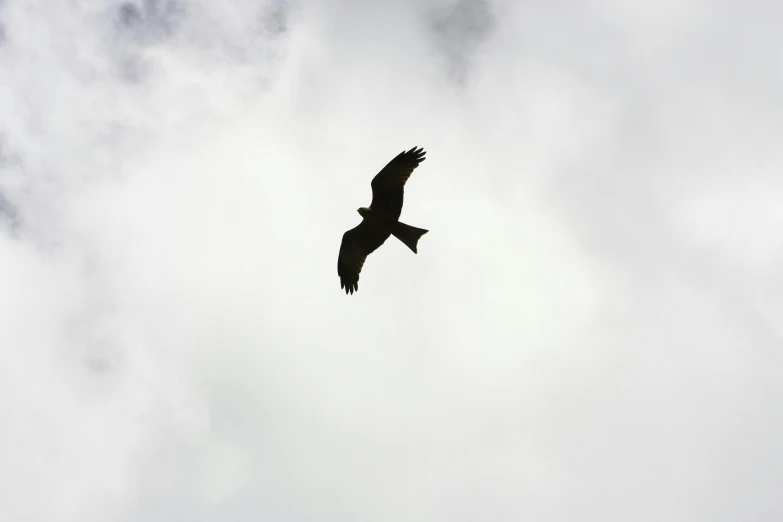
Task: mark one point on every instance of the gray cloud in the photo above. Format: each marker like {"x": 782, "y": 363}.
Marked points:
{"x": 151, "y": 19}
{"x": 590, "y": 330}
{"x": 459, "y": 29}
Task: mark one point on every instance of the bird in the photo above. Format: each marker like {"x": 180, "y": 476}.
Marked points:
{"x": 380, "y": 220}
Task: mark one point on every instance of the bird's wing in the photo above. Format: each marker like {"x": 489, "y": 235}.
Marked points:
{"x": 358, "y": 243}
{"x": 388, "y": 185}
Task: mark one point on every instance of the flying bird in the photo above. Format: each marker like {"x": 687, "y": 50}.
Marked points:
{"x": 380, "y": 220}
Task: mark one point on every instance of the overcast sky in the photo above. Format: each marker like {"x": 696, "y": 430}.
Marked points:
{"x": 591, "y": 330}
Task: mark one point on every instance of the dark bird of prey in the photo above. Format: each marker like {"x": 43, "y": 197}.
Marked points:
{"x": 380, "y": 219}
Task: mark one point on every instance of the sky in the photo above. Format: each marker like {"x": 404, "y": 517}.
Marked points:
{"x": 590, "y": 331}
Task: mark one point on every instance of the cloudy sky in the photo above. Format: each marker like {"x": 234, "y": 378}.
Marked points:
{"x": 591, "y": 330}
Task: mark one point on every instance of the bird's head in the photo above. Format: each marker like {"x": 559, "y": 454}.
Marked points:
{"x": 363, "y": 211}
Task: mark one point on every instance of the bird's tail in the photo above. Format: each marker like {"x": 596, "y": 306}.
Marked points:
{"x": 408, "y": 234}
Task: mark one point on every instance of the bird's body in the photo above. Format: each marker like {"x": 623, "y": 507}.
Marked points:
{"x": 380, "y": 220}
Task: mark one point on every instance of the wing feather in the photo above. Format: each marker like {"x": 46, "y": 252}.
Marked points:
{"x": 388, "y": 185}
{"x": 357, "y": 244}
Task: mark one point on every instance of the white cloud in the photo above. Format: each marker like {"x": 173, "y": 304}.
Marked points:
{"x": 589, "y": 330}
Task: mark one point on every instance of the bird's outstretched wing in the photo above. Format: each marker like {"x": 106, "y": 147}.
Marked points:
{"x": 358, "y": 243}
{"x": 388, "y": 185}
